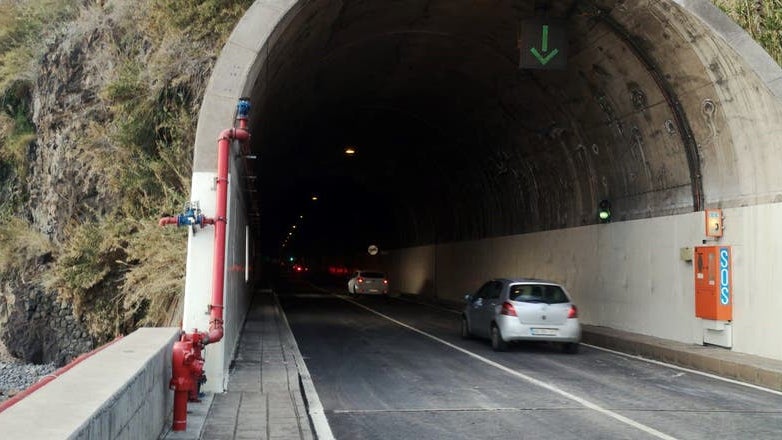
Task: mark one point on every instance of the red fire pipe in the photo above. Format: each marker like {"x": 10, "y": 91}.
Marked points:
{"x": 218, "y": 267}
{"x": 187, "y": 360}
{"x": 167, "y": 221}
{"x": 50, "y": 377}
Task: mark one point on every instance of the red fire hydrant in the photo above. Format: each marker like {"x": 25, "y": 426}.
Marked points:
{"x": 187, "y": 374}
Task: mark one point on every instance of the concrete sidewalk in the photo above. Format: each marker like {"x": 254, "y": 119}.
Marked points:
{"x": 270, "y": 394}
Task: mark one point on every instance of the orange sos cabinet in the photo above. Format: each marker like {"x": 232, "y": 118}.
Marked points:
{"x": 713, "y": 283}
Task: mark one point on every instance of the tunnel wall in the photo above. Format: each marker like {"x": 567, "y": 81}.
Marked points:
{"x": 735, "y": 108}
{"x": 627, "y": 276}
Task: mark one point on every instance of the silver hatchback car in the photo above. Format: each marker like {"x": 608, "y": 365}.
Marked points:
{"x": 522, "y": 309}
{"x": 368, "y": 282}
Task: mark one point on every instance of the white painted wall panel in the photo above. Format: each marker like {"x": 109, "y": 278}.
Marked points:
{"x": 624, "y": 275}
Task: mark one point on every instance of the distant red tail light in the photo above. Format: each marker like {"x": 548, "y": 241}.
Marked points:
{"x": 508, "y": 309}
{"x": 360, "y": 280}
{"x": 573, "y": 312}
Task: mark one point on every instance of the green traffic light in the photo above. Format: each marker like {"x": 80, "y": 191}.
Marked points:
{"x": 290, "y": 259}
{"x": 604, "y": 211}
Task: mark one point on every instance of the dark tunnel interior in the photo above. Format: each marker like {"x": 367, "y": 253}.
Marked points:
{"x": 453, "y": 139}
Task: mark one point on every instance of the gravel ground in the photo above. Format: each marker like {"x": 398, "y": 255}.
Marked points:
{"x": 15, "y": 375}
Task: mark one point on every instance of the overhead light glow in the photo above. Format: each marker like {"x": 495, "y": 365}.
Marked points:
{"x": 350, "y": 151}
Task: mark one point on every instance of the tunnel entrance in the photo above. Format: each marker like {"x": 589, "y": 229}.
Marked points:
{"x": 467, "y": 166}
{"x": 454, "y": 140}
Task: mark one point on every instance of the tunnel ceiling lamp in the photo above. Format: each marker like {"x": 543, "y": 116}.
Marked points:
{"x": 350, "y": 151}
{"x": 604, "y": 211}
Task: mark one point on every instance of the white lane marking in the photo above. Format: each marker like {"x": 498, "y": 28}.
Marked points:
{"x": 433, "y": 410}
{"x": 640, "y": 358}
{"x": 532, "y": 380}
{"x": 676, "y": 367}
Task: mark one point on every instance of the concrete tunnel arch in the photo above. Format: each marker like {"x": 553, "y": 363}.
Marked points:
{"x": 666, "y": 108}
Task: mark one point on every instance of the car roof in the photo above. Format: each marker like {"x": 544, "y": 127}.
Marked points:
{"x": 528, "y": 281}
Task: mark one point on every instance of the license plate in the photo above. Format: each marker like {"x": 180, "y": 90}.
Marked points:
{"x": 543, "y": 331}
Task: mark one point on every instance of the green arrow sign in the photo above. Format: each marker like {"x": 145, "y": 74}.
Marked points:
{"x": 544, "y": 59}
{"x": 543, "y": 44}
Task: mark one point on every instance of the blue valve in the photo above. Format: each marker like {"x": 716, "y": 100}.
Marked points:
{"x": 243, "y": 108}
{"x": 191, "y": 217}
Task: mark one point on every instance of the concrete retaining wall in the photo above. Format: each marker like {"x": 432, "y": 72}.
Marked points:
{"x": 120, "y": 392}
{"x": 625, "y": 275}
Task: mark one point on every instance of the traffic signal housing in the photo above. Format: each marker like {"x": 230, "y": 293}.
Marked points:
{"x": 604, "y": 211}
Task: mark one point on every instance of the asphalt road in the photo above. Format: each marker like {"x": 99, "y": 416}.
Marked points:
{"x": 408, "y": 375}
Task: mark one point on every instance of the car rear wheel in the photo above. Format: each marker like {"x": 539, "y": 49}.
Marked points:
{"x": 570, "y": 347}
{"x": 465, "y": 328}
{"x": 497, "y": 343}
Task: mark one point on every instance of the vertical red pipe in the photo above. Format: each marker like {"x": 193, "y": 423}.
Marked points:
{"x": 187, "y": 360}
{"x": 218, "y": 264}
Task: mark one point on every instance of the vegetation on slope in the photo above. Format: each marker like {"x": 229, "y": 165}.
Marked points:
{"x": 117, "y": 268}
{"x": 762, "y": 19}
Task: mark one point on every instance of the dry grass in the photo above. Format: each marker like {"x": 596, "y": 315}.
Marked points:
{"x": 762, "y": 19}
{"x": 20, "y": 245}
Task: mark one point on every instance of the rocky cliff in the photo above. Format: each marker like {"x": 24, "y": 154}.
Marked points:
{"x": 113, "y": 98}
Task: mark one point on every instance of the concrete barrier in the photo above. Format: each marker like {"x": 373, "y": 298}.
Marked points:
{"x": 119, "y": 393}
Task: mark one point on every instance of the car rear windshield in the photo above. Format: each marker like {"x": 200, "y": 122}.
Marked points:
{"x": 538, "y": 293}
{"x": 373, "y": 274}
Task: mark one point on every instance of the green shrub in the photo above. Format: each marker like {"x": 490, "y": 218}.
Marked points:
{"x": 89, "y": 271}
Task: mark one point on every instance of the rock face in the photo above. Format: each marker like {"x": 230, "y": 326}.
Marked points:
{"x": 61, "y": 185}
{"x": 37, "y": 327}
{"x": 34, "y": 325}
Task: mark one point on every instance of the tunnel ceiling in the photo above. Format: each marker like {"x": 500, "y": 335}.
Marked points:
{"x": 454, "y": 140}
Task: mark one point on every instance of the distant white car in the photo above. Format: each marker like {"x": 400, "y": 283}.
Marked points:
{"x": 367, "y": 282}
{"x": 522, "y": 309}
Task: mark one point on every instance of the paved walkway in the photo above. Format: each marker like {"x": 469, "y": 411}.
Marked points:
{"x": 267, "y": 387}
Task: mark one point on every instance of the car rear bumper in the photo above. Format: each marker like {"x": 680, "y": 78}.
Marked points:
{"x": 513, "y": 330}
{"x": 371, "y": 291}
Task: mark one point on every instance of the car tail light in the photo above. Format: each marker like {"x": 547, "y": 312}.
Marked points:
{"x": 385, "y": 281}
{"x": 508, "y": 309}
{"x": 573, "y": 312}
{"x": 360, "y": 280}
